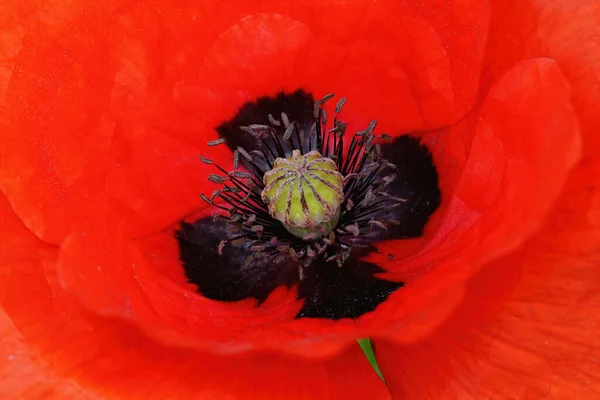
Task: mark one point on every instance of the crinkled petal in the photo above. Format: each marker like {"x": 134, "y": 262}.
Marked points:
{"x": 21, "y": 377}
{"x": 563, "y": 30}
{"x": 113, "y": 102}
{"x": 528, "y": 324}
{"x": 142, "y": 281}
{"x": 526, "y": 140}
{"x": 113, "y": 359}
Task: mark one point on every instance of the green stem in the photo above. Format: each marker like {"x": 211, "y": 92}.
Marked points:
{"x": 365, "y": 345}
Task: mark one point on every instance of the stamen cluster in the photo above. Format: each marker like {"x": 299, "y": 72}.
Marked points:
{"x": 366, "y": 174}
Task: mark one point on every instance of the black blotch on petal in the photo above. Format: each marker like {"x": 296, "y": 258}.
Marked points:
{"x": 227, "y": 277}
{"x": 328, "y": 291}
{"x": 349, "y": 291}
{"x": 298, "y": 106}
{"x": 416, "y": 181}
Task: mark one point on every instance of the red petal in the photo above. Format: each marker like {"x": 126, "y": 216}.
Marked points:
{"x": 156, "y": 179}
{"x": 564, "y": 30}
{"x": 529, "y": 322}
{"x": 21, "y": 377}
{"x": 525, "y": 142}
{"x": 48, "y": 170}
{"x": 91, "y": 115}
{"x": 113, "y": 359}
{"x": 20, "y": 374}
{"x": 403, "y": 73}
{"x": 147, "y": 287}
{"x": 141, "y": 280}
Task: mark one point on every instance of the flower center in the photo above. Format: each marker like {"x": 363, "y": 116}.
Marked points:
{"x": 248, "y": 251}
{"x": 305, "y": 193}
{"x": 303, "y": 196}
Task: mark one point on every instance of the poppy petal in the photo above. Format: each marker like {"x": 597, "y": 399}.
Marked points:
{"x": 21, "y": 377}
{"x": 47, "y": 175}
{"x": 134, "y": 105}
{"x": 383, "y": 72}
{"x": 563, "y": 30}
{"x": 483, "y": 222}
{"x": 68, "y": 90}
{"x": 141, "y": 281}
{"x": 127, "y": 283}
{"x": 528, "y": 322}
{"x": 114, "y": 359}
{"x": 146, "y": 199}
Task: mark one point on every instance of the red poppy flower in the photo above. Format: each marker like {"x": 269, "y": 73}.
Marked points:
{"x": 112, "y": 281}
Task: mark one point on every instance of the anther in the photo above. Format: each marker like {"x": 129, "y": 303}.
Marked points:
{"x": 327, "y": 97}
{"x": 273, "y": 121}
{"x": 216, "y": 142}
{"x": 217, "y": 178}
{"x": 220, "y": 247}
{"x": 340, "y": 104}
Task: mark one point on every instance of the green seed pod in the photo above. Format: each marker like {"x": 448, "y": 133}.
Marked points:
{"x": 304, "y": 192}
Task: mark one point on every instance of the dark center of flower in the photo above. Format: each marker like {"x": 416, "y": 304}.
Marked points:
{"x": 303, "y": 205}
{"x": 323, "y": 202}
